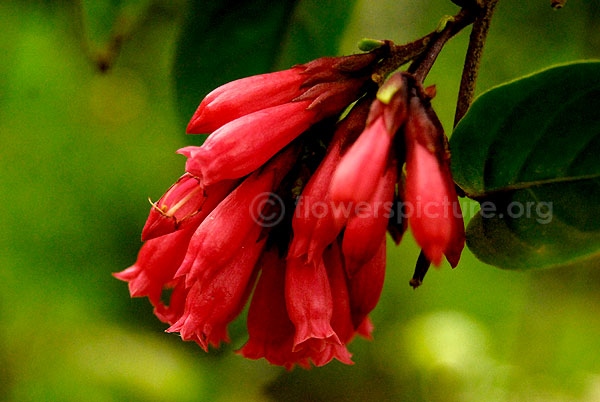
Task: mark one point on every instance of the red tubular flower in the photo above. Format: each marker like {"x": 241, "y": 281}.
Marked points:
{"x": 341, "y": 321}
{"x": 156, "y": 265}
{"x": 366, "y": 229}
{"x": 309, "y": 305}
{"x": 429, "y": 188}
{"x": 229, "y": 224}
{"x": 245, "y": 96}
{"x": 358, "y": 174}
{"x": 249, "y": 135}
{"x": 457, "y": 242}
{"x": 364, "y": 290}
{"x": 331, "y": 82}
{"x": 271, "y": 333}
{"x": 245, "y": 144}
{"x": 211, "y": 234}
{"x": 185, "y": 204}
{"x": 225, "y": 229}
{"x": 211, "y": 305}
{"x": 314, "y": 224}
{"x": 318, "y": 220}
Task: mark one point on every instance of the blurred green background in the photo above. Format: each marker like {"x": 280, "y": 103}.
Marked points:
{"x": 94, "y": 100}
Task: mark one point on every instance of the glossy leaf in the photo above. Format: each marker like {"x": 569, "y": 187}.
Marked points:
{"x": 530, "y": 149}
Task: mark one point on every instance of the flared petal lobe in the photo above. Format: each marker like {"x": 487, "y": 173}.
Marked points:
{"x": 271, "y": 333}
{"x": 156, "y": 265}
{"x": 309, "y": 304}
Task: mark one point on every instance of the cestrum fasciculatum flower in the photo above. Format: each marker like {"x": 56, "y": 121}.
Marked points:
{"x": 289, "y": 199}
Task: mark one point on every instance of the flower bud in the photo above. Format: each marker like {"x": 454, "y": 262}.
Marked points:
{"x": 317, "y": 219}
{"x": 245, "y": 96}
{"x": 429, "y": 187}
{"x": 243, "y": 145}
{"x": 359, "y": 171}
{"x": 366, "y": 229}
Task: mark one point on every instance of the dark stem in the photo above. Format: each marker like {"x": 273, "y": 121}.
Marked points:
{"x": 400, "y": 55}
{"x": 420, "y": 270}
{"x": 477, "y": 39}
{"x": 421, "y": 66}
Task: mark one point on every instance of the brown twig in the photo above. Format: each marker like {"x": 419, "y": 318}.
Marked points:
{"x": 421, "y": 66}
{"x": 420, "y": 270}
{"x": 477, "y": 39}
{"x": 400, "y": 55}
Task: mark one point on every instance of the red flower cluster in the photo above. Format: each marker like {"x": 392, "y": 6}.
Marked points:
{"x": 263, "y": 171}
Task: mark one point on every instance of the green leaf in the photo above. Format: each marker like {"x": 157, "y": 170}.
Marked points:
{"x": 529, "y": 148}
{"x": 225, "y": 40}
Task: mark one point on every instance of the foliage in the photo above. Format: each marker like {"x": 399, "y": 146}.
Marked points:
{"x": 528, "y": 151}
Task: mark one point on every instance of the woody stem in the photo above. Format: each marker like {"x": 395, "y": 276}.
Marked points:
{"x": 472, "y": 60}
{"x": 452, "y": 25}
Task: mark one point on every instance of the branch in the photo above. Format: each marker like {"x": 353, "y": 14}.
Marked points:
{"x": 477, "y": 39}
{"x": 452, "y": 25}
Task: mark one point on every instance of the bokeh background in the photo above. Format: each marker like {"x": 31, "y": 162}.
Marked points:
{"x": 94, "y": 100}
